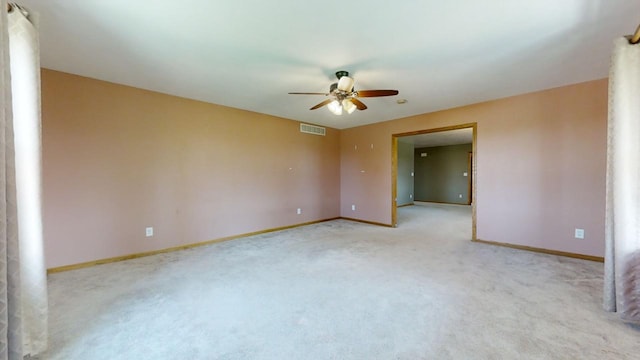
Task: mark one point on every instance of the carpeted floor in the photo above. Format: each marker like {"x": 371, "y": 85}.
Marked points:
{"x": 341, "y": 290}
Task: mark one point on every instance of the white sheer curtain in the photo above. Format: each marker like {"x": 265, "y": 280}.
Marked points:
{"x": 23, "y": 292}
{"x": 10, "y": 313}
{"x": 622, "y": 255}
{"x": 25, "y": 92}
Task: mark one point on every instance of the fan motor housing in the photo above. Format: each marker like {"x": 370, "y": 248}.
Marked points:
{"x": 341, "y": 73}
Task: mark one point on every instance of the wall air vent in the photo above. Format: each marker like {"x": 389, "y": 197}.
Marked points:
{"x": 312, "y": 129}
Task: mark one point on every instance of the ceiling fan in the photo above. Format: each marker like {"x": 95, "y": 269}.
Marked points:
{"x": 344, "y": 96}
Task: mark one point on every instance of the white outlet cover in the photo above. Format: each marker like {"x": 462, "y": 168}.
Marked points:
{"x": 299, "y": 211}
{"x": 465, "y": 174}
{"x": 353, "y": 207}
{"x": 148, "y": 231}
{"x": 579, "y": 234}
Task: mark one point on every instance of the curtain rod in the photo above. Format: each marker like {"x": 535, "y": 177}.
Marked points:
{"x": 636, "y": 37}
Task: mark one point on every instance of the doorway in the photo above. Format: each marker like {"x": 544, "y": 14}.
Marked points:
{"x": 434, "y": 138}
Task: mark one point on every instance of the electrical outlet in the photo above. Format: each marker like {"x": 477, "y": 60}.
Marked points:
{"x": 579, "y": 234}
{"x": 460, "y": 196}
{"x": 299, "y": 211}
{"x": 148, "y": 231}
{"x": 353, "y": 208}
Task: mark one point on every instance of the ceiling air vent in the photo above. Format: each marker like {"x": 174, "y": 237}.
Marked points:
{"x": 312, "y": 129}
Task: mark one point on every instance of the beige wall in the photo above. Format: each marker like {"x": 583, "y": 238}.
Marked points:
{"x": 540, "y": 167}
{"x": 118, "y": 159}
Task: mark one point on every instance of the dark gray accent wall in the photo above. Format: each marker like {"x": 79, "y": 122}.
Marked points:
{"x": 439, "y": 176}
{"x": 405, "y": 173}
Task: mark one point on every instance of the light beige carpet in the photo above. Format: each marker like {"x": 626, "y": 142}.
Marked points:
{"x": 341, "y": 290}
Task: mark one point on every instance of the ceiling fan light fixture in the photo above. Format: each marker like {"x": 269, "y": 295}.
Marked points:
{"x": 345, "y": 83}
{"x": 342, "y": 96}
{"x": 348, "y": 106}
{"x": 335, "y": 107}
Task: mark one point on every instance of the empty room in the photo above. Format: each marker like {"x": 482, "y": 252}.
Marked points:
{"x": 336, "y": 180}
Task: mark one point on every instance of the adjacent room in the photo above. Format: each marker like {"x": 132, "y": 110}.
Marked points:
{"x": 340, "y": 180}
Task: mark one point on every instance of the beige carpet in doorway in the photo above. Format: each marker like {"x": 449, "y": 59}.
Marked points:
{"x": 341, "y": 290}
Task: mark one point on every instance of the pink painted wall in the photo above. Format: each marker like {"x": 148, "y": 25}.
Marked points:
{"x": 541, "y": 161}
{"x": 118, "y": 159}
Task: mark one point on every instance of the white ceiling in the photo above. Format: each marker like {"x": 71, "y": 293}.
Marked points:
{"x": 248, "y": 54}
{"x": 441, "y": 138}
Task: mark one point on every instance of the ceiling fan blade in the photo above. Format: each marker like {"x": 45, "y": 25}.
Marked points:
{"x": 359, "y": 104}
{"x": 308, "y": 93}
{"x": 375, "y": 93}
{"x": 322, "y": 104}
